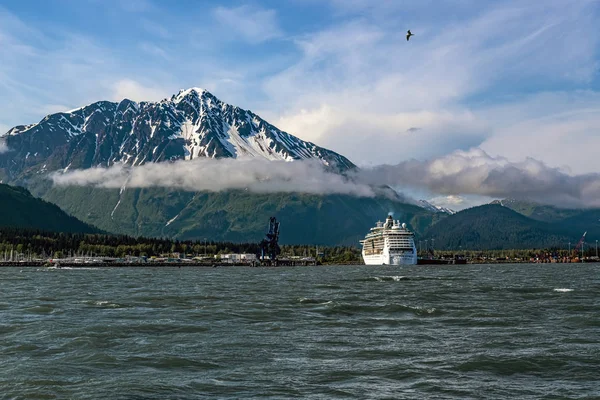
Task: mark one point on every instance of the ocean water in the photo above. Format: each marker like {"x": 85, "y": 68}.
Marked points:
{"x": 348, "y": 332}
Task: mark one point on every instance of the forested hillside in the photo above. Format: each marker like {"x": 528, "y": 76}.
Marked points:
{"x": 495, "y": 227}
{"x": 18, "y": 208}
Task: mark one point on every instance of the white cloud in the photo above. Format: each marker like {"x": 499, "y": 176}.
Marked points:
{"x": 50, "y": 73}
{"x": 448, "y": 201}
{"x": 360, "y": 83}
{"x": 256, "y": 175}
{"x": 457, "y": 203}
{"x": 133, "y": 90}
{"x": 3, "y": 147}
{"x": 41, "y": 72}
{"x": 313, "y": 124}
{"x": 370, "y": 138}
{"x": 475, "y": 172}
{"x": 461, "y": 178}
{"x": 253, "y": 24}
{"x": 72, "y": 69}
{"x": 558, "y": 128}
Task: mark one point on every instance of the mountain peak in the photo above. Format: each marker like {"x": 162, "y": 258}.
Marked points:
{"x": 194, "y": 91}
{"x": 191, "y": 124}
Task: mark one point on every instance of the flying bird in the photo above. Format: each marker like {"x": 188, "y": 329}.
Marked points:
{"x": 408, "y": 35}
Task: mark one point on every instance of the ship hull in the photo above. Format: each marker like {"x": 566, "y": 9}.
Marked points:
{"x": 407, "y": 258}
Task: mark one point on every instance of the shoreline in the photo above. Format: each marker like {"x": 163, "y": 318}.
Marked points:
{"x": 38, "y": 264}
{"x": 150, "y": 264}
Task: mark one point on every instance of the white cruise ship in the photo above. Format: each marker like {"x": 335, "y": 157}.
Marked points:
{"x": 389, "y": 243}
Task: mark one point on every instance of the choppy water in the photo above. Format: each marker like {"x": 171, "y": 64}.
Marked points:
{"x": 497, "y": 331}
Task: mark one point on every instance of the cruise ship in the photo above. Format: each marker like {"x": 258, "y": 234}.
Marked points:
{"x": 389, "y": 243}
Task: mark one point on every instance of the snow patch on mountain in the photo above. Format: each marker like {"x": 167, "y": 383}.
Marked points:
{"x": 432, "y": 207}
{"x": 191, "y": 124}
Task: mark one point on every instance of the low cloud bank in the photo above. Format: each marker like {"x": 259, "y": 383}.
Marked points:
{"x": 255, "y": 175}
{"x": 471, "y": 172}
{"x": 476, "y": 172}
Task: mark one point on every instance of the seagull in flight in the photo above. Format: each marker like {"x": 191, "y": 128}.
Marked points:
{"x": 408, "y": 35}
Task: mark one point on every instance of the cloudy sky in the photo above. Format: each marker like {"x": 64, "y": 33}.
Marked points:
{"x": 480, "y": 80}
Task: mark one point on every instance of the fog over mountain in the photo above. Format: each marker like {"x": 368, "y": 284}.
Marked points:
{"x": 473, "y": 172}
{"x": 215, "y": 175}
{"x": 476, "y": 172}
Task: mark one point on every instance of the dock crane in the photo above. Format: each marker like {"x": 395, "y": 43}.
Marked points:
{"x": 579, "y": 246}
{"x": 269, "y": 246}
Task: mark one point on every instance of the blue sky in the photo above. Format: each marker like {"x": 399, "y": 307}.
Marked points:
{"x": 512, "y": 78}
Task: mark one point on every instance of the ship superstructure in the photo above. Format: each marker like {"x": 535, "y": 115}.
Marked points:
{"x": 389, "y": 243}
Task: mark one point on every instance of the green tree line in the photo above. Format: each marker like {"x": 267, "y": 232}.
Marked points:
{"x": 41, "y": 244}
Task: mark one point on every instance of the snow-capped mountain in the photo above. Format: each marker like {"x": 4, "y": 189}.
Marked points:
{"x": 432, "y": 207}
{"x": 191, "y": 124}
{"x": 188, "y": 125}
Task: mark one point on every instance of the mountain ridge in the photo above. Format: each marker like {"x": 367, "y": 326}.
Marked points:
{"x": 537, "y": 211}
{"x": 432, "y": 207}
{"x": 19, "y": 209}
{"x": 190, "y": 124}
{"x": 495, "y": 227}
